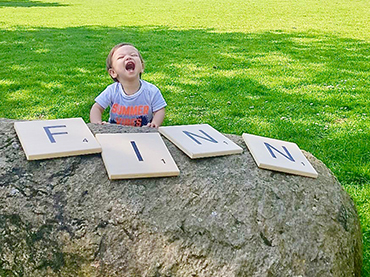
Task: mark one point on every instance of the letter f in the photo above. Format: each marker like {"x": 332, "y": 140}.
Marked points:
{"x": 50, "y": 134}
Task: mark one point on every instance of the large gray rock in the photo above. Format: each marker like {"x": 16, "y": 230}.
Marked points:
{"x": 221, "y": 217}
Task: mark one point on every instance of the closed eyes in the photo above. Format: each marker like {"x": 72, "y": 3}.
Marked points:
{"x": 132, "y": 55}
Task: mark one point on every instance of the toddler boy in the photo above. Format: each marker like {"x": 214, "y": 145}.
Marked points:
{"x": 132, "y": 101}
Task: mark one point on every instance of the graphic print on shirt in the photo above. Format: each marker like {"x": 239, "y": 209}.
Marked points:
{"x": 130, "y": 115}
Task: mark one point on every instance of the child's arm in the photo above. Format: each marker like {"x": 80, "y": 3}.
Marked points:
{"x": 158, "y": 117}
{"x": 96, "y": 113}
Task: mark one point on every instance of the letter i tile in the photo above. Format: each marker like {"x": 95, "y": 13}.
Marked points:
{"x": 136, "y": 155}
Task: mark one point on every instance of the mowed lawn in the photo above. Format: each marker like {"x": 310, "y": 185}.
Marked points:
{"x": 296, "y": 70}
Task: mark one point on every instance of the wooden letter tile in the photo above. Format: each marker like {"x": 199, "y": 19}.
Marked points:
{"x": 199, "y": 141}
{"x": 45, "y": 139}
{"x": 136, "y": 155}
{"x": 279, "y": 155}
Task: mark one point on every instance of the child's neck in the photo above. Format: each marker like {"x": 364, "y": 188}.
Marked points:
{"x": 131, "y": 88}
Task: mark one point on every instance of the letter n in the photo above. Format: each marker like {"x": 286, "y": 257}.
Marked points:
{"x": 192, "y": 136}
{"x": 286, "y": 155}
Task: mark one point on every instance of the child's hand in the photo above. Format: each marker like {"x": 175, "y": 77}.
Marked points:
{"x": 152, "y": 125}
{"x": 157, "y": 120}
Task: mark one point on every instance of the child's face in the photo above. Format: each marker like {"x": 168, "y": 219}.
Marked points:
{"x": 126, "y": 64}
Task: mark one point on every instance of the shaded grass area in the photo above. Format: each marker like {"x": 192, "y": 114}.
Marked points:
{"x": 310, "y": 88}
{"x": 27, "y": 3}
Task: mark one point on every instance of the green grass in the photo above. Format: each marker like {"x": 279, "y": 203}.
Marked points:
{"x": 293, "y": 70}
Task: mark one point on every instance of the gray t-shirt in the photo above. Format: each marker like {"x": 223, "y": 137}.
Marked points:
{"x": 133, "y": 110}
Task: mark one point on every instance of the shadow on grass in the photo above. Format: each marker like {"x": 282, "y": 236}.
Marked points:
{"x": 310, "y": 88}
{"x": 274, "y": 84}
{"x": 27, "y": 3}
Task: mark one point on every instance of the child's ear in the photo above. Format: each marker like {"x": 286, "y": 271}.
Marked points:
{"x": 112, "y": 73}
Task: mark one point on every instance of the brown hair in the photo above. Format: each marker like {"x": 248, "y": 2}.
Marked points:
{"x": 111, "y": 53}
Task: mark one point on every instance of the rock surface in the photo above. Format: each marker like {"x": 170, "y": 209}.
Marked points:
{"x": 221, "y": 217}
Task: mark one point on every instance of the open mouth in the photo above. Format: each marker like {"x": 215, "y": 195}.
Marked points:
{"x": 130, "y": 66}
